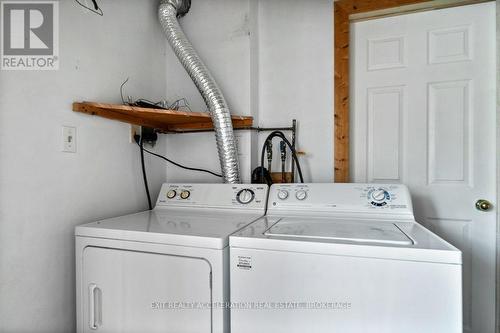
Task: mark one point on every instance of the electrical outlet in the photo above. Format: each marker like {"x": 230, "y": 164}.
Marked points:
{"x": 69, "y": 139}
{"x": 134, "y": 129}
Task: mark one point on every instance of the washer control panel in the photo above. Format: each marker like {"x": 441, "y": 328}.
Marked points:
{"x": 362, "y": 198}
{"x": 251, "y": 196}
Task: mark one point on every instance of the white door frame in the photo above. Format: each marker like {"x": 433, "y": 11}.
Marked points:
{"x": 498, "y": 171}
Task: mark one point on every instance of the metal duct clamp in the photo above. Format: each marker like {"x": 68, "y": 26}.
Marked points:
{"x": 182, "y": 6}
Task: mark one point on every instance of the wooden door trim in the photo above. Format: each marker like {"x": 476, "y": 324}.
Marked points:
{"x": 413, "y": 8}
{"x": 344, "y": 12}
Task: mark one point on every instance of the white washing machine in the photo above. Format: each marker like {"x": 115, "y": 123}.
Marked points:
{"x": 344, "y": 258}
{"x": 162, "y": 270}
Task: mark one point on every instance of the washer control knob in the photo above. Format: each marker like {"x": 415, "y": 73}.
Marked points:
{"x": 245, "y": 196}
{"x": 301, "y": 195}
{"x": 185, "y": 194}
{"x": 171, "y": 194}
{"x": 282, "y": 194}
{"x": 379, "y": 195}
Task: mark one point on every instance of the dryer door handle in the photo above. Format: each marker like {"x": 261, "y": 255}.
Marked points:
{"x": 94, "y": 306}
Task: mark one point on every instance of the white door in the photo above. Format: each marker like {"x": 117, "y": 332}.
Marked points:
{"x": 423, "y": 110}
{"x": 129, "y": 292}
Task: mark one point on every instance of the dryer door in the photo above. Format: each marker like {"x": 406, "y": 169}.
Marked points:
{"x": 127, "y": 291}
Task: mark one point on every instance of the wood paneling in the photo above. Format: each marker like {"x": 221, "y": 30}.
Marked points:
{"x": 341, "y": 103}
{"x": 363, "y": 6}
{"x": 277, "y": 177}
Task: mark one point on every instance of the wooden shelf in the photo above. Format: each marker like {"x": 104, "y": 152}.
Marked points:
{"x": 160, "y": 119}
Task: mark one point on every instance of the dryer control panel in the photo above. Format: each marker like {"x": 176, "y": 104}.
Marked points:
{"x": 350, "y": 198}
{"x": 248, "y": 196}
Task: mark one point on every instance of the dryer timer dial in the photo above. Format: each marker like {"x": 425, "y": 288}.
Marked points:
{"x": 245, "y": 196}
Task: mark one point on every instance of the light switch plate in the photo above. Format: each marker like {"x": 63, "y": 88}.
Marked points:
{"x": 69, "y": 139}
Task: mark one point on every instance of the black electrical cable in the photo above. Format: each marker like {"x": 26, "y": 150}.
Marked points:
{"x": 96, "y": 6}
{"x": 294, "y": 153}
{"x": 180, "y": 165}
{"x": 121, "y": 90}
{"x": 96, "y": 9}
{"x": 141, "y": 146}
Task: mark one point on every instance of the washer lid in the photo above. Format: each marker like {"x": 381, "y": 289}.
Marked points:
{"x": 338, "y": 229}
{"x": 346, "y": 236}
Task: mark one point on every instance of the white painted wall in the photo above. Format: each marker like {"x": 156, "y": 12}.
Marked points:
{"x": 273, "y": 60}
{"x": 296, "y": 77}
{"x": 44, "y": 193}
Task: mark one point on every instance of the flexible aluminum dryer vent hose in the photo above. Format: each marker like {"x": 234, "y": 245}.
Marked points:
{"x": 168, "y": 12}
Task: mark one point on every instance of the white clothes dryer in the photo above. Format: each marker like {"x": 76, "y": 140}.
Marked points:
{"x": 164, "y": 270}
